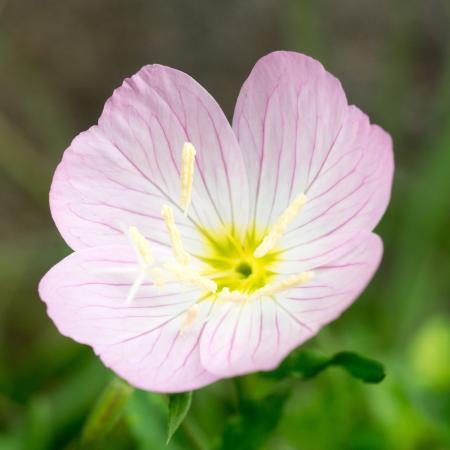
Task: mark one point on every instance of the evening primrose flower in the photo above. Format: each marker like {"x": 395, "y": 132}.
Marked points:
{"x": 204, "y": 250}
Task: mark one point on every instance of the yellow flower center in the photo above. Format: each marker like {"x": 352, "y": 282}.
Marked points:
{"x": 232, "y": 263}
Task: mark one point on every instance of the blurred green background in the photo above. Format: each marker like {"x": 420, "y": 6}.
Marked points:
{"x": 61, "y": 59}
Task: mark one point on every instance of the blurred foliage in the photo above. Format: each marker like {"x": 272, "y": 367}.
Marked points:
{"x": 59, "y": 61}
{"x": 252, "y": 425}
{"x": 105, "y": 414}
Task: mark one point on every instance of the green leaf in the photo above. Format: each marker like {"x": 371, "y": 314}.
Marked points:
{"x": 365, "y": 369}
{"x": 300, "y": 363}
{"x": 179, "y": 405}
{"x": 106, "y": 412}
{"x": 251, "y": 428}
{"x": 308, "y": 363}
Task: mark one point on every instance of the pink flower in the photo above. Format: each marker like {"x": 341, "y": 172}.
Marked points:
{"x": 204, "y": 251}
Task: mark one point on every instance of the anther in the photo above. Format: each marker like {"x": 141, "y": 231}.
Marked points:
{"x": 141, "y": 245}
{"x": 279, "y": 227}
{"x": 187, "y": 175}
{"x": 177, "y": 247}
{"x": 145, "y": 258}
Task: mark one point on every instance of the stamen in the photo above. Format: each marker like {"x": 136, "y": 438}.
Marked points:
{"x": 189, "y": 318}
{"x": 189, "y": 276}
{"x": 187, "y": 175}
{"x": 141, "y": 245}
{"x": 157, "y": 276}
{"x": 278, "y": 286}
{"x": 134, "y": 288}
{"x": 180, "y": 254}
{"x": 232, "y": 296}
{"x": 279, "y": 227}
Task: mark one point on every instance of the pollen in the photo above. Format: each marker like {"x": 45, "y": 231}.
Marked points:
{"x": 177, "y": 246}
{"x": 232, "y": 296}
{"x": 141, "y": 245}
{"x": 189, "y": 318}
{"x": 187, "y": 175}
{"x": 279, "y": 227}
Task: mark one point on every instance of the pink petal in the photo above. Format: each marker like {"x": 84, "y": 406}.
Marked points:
{"x": 336, "y": 284}
{"x": 248, "y": 337}
{"x": 127, "y": 167}
{"x": 241, "y": 338}
{"x": 298, "y": 134}
{"x": 141, "y": 342}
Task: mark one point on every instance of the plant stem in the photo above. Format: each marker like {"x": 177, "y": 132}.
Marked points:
{"x": 194, "y": 434}
{"x": 240, "y": 391}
